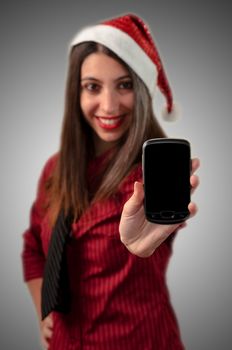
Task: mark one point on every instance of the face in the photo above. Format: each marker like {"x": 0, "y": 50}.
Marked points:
{"x": 107, "y": 99}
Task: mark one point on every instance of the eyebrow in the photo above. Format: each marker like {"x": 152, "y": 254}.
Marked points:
{"x": 95, "y": 79}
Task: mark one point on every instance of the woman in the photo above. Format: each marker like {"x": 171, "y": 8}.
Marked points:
{"x": 116, "y": 260}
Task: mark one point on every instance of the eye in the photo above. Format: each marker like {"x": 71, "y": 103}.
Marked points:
{"x": 126, "y": 85}
{"x": 91, "y": 87}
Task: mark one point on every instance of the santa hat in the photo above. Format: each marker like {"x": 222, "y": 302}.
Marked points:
{"x": 130, "y": 39}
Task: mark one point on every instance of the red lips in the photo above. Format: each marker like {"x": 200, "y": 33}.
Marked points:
{"x": 110, "y": 122}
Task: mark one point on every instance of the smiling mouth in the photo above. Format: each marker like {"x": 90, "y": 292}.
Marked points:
{"x": 110, "y": 122}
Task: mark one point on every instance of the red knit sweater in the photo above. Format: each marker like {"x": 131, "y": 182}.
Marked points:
{"x": 119, "y": 301}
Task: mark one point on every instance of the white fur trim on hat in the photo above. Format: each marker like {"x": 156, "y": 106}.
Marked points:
{"x": 173, "y": 115}
{"x": 125, "y": 47}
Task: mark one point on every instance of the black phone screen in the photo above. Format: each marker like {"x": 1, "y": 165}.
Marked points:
{"x": 167, "y": 179}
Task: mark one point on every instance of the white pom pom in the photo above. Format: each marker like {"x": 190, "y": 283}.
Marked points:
{"x": 173, "y": 115}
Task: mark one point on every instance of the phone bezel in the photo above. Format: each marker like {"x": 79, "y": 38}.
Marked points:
{"x": 163, "y": 217}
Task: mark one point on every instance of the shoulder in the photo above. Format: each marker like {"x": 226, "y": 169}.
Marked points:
{"x": 49, "y": 166}
{"x": 46, "y": 172}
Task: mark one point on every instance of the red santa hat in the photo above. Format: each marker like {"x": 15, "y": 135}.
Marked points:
{"x": 130, "y": 38}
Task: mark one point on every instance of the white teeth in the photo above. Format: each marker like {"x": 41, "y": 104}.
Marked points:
{"x": 110, "y": 121}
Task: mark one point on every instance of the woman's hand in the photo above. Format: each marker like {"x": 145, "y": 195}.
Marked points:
{"x": 46, "y": 327}
{"x": 140, "y": 236}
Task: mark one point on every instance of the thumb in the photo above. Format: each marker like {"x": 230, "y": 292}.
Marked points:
{"x": 135, "y": 201}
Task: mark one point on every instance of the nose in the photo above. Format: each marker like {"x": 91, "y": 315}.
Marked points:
{"x": 109, "y": 102}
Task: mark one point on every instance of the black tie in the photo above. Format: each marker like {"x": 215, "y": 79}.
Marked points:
{"x": 55, "y": 288}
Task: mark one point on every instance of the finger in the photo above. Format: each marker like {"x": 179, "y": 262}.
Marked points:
{"x": 45, "y": 343}
{"x": 195, "y": 164}
{"x": 192, "y": 209}
{"x": 49, "y": 321}
{"x": 135, "y": 201}
{"x": 138, "y": 191}
{"x": 194, "y": 181}
{"x": 47, "y": 333}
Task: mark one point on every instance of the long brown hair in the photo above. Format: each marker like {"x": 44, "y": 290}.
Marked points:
{"x": 68, "y": 186}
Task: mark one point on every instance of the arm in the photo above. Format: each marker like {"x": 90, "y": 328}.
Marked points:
{"x": 33, "y": 257}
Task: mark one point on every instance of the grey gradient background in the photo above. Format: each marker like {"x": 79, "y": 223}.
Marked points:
{"x": 194, "y": 41}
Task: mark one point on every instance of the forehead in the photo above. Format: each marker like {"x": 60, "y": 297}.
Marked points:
{"x": 100, "y": 64}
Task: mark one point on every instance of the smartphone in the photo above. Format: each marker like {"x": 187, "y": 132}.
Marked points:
{"x": 166, "y": 177}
